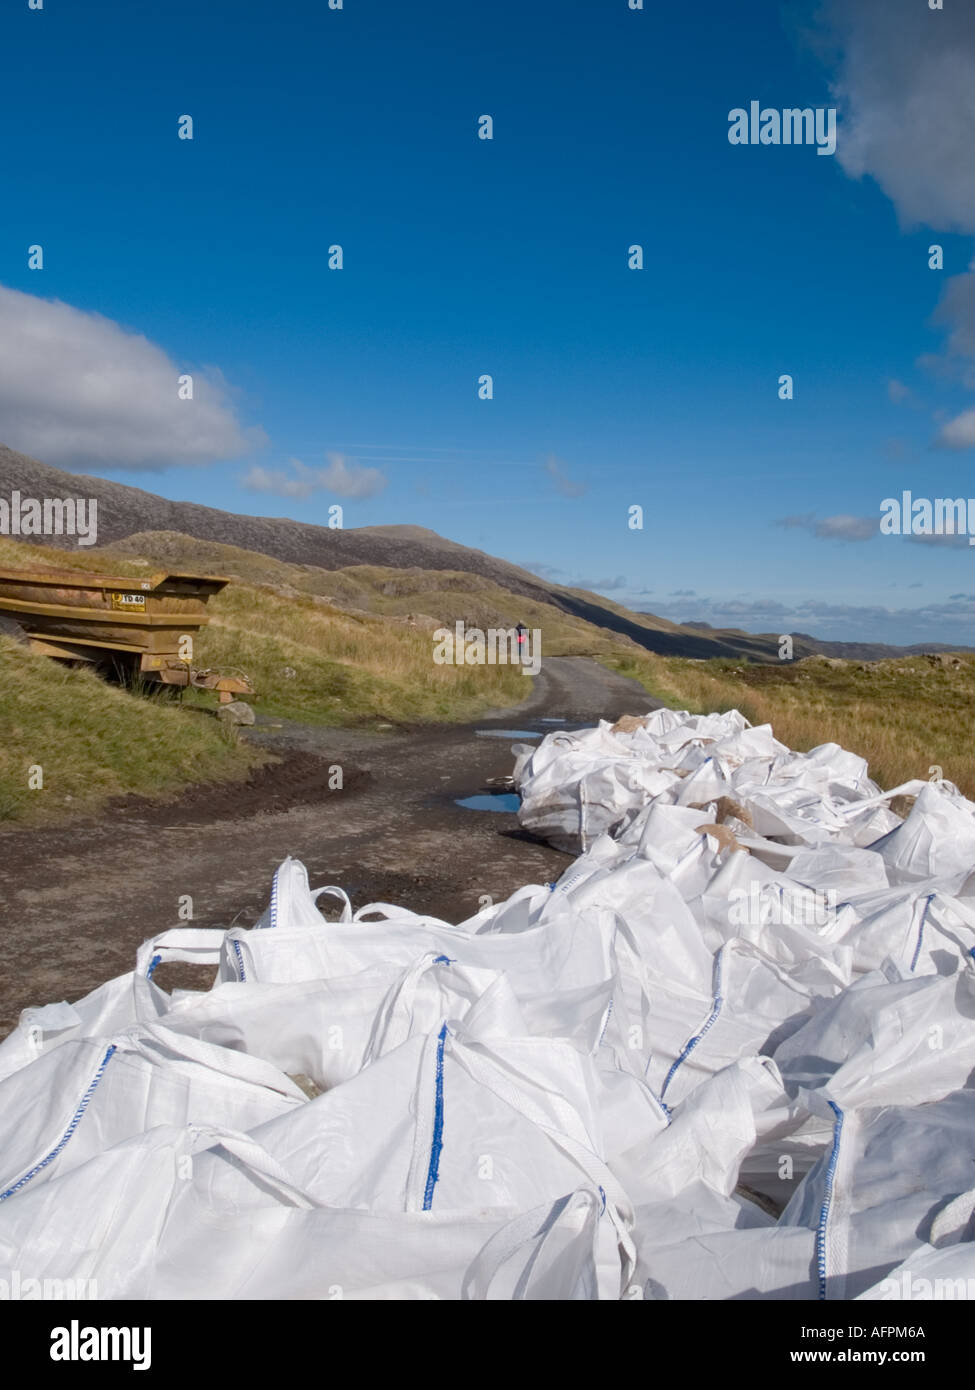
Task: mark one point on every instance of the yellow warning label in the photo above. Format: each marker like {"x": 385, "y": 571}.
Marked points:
{"x": 131, "y": 602}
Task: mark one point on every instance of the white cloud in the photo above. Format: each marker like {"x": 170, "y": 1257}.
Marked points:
{"x": 959, "y": 433}
{"x": 79, "y": 390}
{"x": 956, "y": 312}
{"x": 906, "y": 92}
{"x": 905, "y": 85}
{"x": 847, "y": 528}
{"x": 340, "y": 477}
{"x": 275, "y": 480}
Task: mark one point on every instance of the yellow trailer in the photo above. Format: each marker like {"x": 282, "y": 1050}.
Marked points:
{"x": 141, "y": 626}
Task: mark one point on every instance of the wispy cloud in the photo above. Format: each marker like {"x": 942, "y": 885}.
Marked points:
{"x": 555, "y": 575}
{"x": 433, "y": 454}
{"x": 601, "y": 585}
{"x": 834, "y": 528}
{"x": 563, "y": 483}
{"x": 340, "y": 477}
{"x": 550, "y": 572}
{"x": 898, "y": 450}
{"x": 899, "y": 394}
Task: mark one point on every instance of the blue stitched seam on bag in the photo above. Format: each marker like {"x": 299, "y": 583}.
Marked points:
{"x": 920, "y": 930}
{"x": 657, "y": 1100}
{"x": 602, "y": 1034}
{"x": 828, "y": 1199}
{"x": 75, "y": 1119}
{"x": 274, "y": 898}
{"x": 690, "y": 1046}
{"x": 693, "y": 1042}
{"x": 240, "y": 960}
{"x": 433, "y": 1172}
{"x": 152, "y": 965}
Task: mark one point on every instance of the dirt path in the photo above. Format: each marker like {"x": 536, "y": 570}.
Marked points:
{"x": 75, "y": 902}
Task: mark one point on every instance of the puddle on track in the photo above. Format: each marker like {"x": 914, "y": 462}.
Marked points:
{"x": 503, "y": 801}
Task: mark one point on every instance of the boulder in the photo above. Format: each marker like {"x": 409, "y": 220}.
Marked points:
{"x": 236, "y": 712}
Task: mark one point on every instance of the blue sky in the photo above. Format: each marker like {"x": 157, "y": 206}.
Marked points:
{"x": 613, "y": 387}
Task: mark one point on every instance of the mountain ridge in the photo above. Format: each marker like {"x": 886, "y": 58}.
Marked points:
{"x": 124, "y": 511}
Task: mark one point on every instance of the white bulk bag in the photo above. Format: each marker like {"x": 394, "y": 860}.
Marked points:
{"x": 89, "y": 1094}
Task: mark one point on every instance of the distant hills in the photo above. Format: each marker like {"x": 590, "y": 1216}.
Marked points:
{"x": 805, "y": 645}
{"x": 128, "y": 511}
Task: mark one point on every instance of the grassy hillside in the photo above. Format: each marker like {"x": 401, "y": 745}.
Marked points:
{"x": 318, "y": 646}
{"x": 437, "y": 596}
{"x": 309, "y": 660}
{"x": 904, "y": 716}
{"x": 357, "y": 640}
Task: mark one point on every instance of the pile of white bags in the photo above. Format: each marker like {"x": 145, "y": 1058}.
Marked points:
{"x": 726, "y": 1056}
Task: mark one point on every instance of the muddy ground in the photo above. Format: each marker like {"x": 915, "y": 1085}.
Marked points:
{"x": 76, "y": 901}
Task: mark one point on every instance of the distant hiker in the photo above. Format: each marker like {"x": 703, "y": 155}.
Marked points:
{"x": 522, "y": 632}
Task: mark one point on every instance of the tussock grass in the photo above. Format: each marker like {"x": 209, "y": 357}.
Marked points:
{"x": 308, "y": 660}
{"x": 20, "y": 555}
{"x": 904, "y": 716}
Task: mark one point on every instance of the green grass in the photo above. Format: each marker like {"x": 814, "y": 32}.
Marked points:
{"x": 92, "y": 741}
